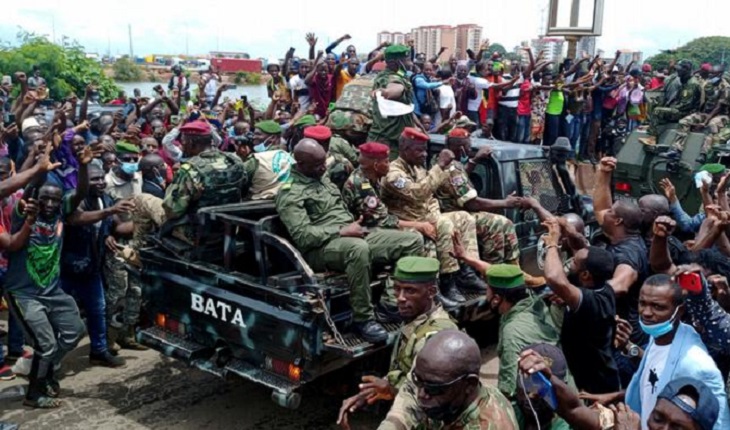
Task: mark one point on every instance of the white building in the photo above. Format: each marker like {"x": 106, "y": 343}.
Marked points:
{"x": 552, "y": 46}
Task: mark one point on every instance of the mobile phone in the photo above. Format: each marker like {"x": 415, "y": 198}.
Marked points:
{"x": 175, "y": 119}
{"x": 244, "y": 98}
{"x": 537, "y": 384}
{"x": 691, "y": 282}
{"x": 10, "y": 119}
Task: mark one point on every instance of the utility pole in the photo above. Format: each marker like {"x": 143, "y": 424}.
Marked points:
{"x": 131, "y": 49}
{"x": 53, "y": 27}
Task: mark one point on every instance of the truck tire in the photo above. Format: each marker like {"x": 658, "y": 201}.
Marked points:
{"x": 286, "y": 400}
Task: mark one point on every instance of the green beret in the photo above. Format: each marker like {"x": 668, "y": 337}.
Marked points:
{"x": 306, "y": 120}
{"x": 394, "y": 52}
{"x": 416, "y": 269}
{"x": 505, "y": 276}
{"x": 713, "y": 168}
{"x": 269, "y": 127}
{"x": 124, "y": 147}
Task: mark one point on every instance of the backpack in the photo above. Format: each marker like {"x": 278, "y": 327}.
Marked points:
{"x": 351, "y": 112}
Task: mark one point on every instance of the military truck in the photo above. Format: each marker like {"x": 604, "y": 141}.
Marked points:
{"x": 640, "y": 167}
{"x": 244, "y": 302}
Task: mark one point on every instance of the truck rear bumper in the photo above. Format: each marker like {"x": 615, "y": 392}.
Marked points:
{"x": 196, "y": 355}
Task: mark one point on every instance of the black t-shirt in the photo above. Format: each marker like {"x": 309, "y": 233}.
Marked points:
{"x": 632, "y": 252}
{"x": 587, "y": 340}
{"x": 677, "y": 251}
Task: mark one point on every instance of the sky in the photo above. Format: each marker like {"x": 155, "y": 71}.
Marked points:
{"x": 268, "y": 29}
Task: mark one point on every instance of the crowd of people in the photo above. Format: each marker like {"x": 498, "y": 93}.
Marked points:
{"x": 634, "y": 323}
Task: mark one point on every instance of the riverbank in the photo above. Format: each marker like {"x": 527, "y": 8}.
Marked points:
{"x": 162, "y": 74}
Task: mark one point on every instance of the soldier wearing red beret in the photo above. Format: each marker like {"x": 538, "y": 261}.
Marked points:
{"x": 338, "y": 166}
{"x": 409, "y": 193}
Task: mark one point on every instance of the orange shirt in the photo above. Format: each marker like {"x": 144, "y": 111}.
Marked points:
{"x": 342, "y": 80}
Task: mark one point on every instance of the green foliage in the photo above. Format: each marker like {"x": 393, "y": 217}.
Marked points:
{"x": 702, "y": 50}
{"x": 125, "y": 70}
{"x": 64, "y": 66}
{"x": 247, "y": 78}
{"x": 151, "y": 76}
{"x": 496, "y": 47}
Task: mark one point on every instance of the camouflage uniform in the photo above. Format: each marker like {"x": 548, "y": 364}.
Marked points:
{"x": 495, "y": 233}
{"x": 408, "y": 192}
{"x": 313, "y": 213}
{"x": 688, "y": 100}
{"x": 714, "y": 95}
{"x": 123, "y": 292}
{"x": 338, "y": 169}
{"x": 490, "y": 411}
{"x": 362, "y": 199}
{"x": 339, "y": 146}
{"x": 388, "y": 130}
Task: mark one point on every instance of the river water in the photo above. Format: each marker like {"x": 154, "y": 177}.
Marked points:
{"x": 256, "y": 93}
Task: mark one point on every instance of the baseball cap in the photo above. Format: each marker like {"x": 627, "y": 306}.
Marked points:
{"x": 707, "y": 409}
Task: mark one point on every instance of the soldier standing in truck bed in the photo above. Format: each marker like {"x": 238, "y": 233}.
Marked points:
{"x": 328, "y": 236}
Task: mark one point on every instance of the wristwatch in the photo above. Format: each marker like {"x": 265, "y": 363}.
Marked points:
{"x": 633, "y": 350}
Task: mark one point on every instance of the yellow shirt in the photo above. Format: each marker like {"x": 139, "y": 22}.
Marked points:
{"x": 343, "y": 80}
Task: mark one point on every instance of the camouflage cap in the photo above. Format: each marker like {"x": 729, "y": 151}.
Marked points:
{"x": 713, "y": 168}
{"x": 416, "y": 269}
{"x": 394, "y": 52}
{"x": 505, "y": 276}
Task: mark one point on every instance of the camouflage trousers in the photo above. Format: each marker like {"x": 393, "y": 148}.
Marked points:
{"x": 448, "y": 223}
{"x": 713, "y": 129}
{"x": 661, "y": 116}
{"x": 123, "y": 291}
{"x": 497, "y": 238}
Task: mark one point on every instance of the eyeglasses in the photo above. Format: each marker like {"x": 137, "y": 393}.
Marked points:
{"x": 436, "y": 389}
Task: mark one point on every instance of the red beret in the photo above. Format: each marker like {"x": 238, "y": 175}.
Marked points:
{"x": 374, "y": 150}
{"x": 318, "y": 132}
{"x": 414, "y": 134}
{"x": 459, "y": 133}
{"x": 646, "y": 68}
{"x": 707, "y": 67}
{"x": 196, "y": 127}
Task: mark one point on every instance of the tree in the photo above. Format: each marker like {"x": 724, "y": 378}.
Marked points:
{"x": 713, "y": 50}
{"x": 496, "y": 47}
{"x": 64, "y": 66}
{"x": 125, "y": 70}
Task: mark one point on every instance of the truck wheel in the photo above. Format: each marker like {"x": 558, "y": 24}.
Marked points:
{"x": 286, "y": 400}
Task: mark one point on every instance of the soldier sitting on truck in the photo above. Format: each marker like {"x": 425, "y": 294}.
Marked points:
{"x": 415, "y": 289}
{"x": 209, "y": 177}
{"x": 713, "y": 117}
{"x": 339, "y": 165}
{"x": 682, "y": 96}
{"x": 408, "y": 192}
{"x": 328, "y": 236}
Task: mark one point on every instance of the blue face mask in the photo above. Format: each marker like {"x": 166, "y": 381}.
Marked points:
{"x": 659, "y": 329}
{"x": 130, "y": 168}
{"x": 160, "y": 181}
{"x": 261, "y": 147}
{"x": 464, "y": 159}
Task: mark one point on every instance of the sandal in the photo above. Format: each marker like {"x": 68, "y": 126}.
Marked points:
{"x": 43, "y": 402}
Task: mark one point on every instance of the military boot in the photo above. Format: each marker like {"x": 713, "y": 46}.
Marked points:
{"x": 468, "y": 281}
{"x": 112, "y": 333}
{"x": 448, "y": 288}
{"x": 127, "y": 340}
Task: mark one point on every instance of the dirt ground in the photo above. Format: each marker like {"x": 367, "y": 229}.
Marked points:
{"x": 156, "y": 392}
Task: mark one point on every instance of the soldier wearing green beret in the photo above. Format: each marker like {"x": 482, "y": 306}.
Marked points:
{"x": 393, "y": 85}
{"x": 415, "y": 288}
{"x": 524, "y": 320}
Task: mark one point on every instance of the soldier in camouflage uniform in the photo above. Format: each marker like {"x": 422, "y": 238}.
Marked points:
{"x": 495, "y": 233}
{"x": 325, "y": 232}
{"x": 123, "y": 291}
{"x": 209, "y": 178}
{"x": 713, "y": 117}
{"x": 415, "y": 288}
{"x": 408, "y": 192}
{"x": 339, "y": 166}
{"x": 393, "y": 85}
{"x": 682, "y": 96}
{"x": 444, "y": 391}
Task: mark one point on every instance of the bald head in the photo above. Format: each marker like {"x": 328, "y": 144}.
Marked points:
{"x": 575, "y": 221}
{"x": 150, "y": 160}
{"x": 652, "y": 206}
{"x": 450, "y": 353}
{"x": 311, "y": 158}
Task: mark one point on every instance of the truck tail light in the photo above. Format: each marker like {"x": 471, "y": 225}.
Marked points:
{"x": 170, "y": 324}
{"x": 283, "y": 368}
{"x": 624, "y": 187}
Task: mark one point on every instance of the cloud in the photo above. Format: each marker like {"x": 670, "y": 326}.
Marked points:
{"x": 268, "y": 29}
